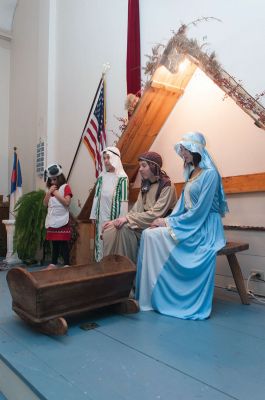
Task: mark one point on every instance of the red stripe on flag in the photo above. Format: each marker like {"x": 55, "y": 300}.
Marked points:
{"x": 14, "y": 176}
{"x": 92, "y": 137}
{"x": 96, "y": 152}
{"x": 89, "y": 146}
{"x": 94, "y": 125}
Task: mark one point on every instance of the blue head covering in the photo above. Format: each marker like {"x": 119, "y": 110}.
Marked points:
{"x": 195, "y": 143}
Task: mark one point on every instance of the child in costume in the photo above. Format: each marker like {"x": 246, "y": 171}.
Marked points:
{"x": 57, "y": 199}
{"x": 111, "y": 195}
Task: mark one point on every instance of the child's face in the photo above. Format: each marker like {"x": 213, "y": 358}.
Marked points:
{"x": 53, "y": 181}
{"x": 145, "y": 170}
{"x": 107, "y": 163}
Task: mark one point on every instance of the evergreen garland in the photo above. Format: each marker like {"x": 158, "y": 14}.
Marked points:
{"x": 30, "y": 225}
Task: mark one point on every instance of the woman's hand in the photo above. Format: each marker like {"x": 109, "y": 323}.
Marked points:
{"x": 158, "y": 222}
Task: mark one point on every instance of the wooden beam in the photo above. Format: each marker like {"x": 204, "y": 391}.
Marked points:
{"x": 249, "y": 183}
{"x": 86, "y": 210}
{"x": 244, "y": 228}
{"x": 150, "y": 115}
{"x": 127, "y": 166}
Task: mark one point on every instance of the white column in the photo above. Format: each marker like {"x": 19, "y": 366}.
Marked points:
{"x": 46, "y": 84}
{"x": 11, "y": 257}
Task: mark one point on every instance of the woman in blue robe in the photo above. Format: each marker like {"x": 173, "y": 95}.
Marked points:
{"x": 177, "y": 255}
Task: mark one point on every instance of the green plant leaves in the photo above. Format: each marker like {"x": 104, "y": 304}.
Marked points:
{"x": 30, "y": 224}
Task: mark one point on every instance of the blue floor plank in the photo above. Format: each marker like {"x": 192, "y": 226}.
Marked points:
{"x": 142, "y": 356}
{"x": 42, "y": 378}
{"x": 100, "y": 366}
{"x": 230, "y": 360}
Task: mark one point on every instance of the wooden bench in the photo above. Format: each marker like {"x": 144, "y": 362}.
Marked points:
{"x": 230, "y": 251}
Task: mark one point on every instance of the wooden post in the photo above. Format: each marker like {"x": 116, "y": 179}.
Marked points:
{"x": 83, "y": 249}
{"x": 238, "y": 277}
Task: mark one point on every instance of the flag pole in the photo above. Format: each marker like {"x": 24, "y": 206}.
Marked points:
{"x": 105, "y": 68}
{"x": 11, "y": 213}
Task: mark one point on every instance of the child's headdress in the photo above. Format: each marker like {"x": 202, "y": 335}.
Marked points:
{"x": 52, "y": 171}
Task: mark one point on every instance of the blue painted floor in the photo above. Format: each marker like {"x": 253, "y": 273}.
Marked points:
{"x": 142, "y": 356}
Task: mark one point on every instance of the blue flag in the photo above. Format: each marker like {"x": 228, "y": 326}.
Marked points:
{"x": 16, "y": 185}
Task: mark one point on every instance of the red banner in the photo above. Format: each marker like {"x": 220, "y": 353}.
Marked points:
{"x": 133, "y": 48}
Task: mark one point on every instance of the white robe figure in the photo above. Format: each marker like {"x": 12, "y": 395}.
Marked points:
{"x": 111, "y": 196}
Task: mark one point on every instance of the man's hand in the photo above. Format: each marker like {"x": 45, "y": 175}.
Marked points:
{"x": 119, "y": 222}
{"x": 158, "y": 222}
{"x": 106, "y": 225}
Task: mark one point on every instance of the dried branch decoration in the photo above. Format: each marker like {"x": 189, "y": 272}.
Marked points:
{"x": 180, "y": 47}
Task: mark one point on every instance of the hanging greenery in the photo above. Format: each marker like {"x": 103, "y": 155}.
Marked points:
{"x": 30, "y": 225}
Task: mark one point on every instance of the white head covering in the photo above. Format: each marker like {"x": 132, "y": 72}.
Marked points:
{"x": 195, "y": 142}
{"x": 115, "y": 160}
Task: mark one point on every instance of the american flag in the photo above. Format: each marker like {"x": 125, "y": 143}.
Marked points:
{"x": 95, "y": 135}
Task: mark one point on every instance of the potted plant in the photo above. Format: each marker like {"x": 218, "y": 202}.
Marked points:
{"x": 30, "y": 225}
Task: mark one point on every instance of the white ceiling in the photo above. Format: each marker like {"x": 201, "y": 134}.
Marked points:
{"x": 7, "y": 9}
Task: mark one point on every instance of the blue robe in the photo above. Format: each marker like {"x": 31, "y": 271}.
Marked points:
{"x": 176, "y": 264}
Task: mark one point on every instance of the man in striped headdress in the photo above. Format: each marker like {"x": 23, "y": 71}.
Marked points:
{"x": 157, "y": 196}
{"x": 111, "y": 195}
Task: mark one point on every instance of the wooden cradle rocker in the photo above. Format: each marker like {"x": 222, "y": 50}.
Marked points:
{"x": 44, "y": 297}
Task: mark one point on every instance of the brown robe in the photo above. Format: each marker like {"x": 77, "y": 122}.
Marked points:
{"x": 125, "y": 241}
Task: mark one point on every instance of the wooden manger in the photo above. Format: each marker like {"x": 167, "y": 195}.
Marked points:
{"x": 43, "y": 298}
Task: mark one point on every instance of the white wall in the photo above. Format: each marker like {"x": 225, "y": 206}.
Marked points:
{"x": 89, "y": 34}
{"x": 4, "y": 113}
{"x": 237, "y": 40}
{"x": 236, "y": 143}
